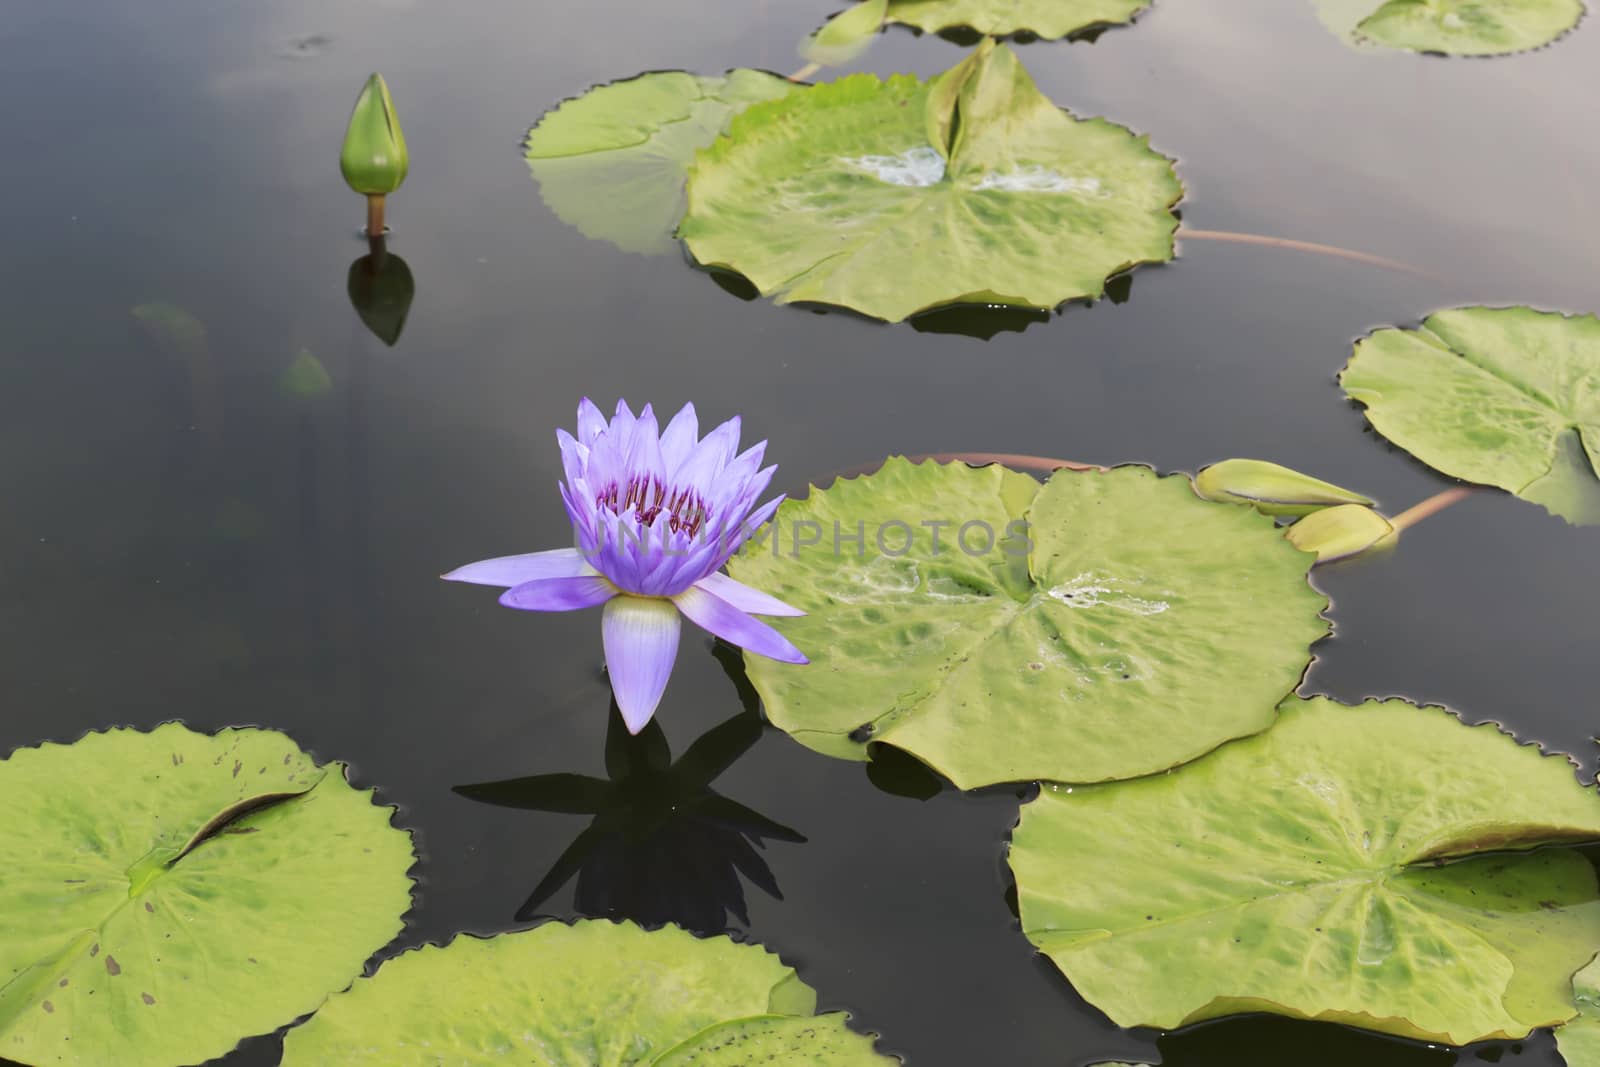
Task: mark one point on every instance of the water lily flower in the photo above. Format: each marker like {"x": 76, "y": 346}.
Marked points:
{"x": 655, "y": 514}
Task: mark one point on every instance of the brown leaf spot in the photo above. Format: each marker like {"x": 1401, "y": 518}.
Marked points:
{"x": 147, "y": 998}
{"x": 151, "y": 908}
{"x": 94, "y": 950}
{"x": 112, "y": 967}
{"x": 49, "y": 1007}
{"x": 63, "y": 983}
{"x": 237, "y": 767}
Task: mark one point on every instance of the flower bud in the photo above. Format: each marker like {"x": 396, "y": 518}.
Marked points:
{"x": 374, "y": 159}
{"x": 1341, "y": 532}
{"x": 1270, "y": 488}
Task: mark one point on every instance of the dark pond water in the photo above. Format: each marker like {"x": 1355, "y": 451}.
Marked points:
{"x": 252, "y": 558}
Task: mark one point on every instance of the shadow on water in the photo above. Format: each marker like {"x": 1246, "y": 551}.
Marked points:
{"x": 1271, "y": 1041}
{"x": 983, "y": 322}
{"x": 662, "y": 846}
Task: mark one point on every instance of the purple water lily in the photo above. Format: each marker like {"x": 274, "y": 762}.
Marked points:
{"x": 655, "y": 514}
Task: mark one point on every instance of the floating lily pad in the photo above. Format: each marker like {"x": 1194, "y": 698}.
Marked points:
{"x": 895, "y": 197}
{"x": 821, "y": 1041}
{"x": 1469, "y": 27}
{"x": 1502, "y": 396}
{"x": 1316, "y": 871}
{"x": 1000, "y": 18}
{"x": 593, "y": 992}
{"x": 846, "y": 35}
{"x": 842, "y": 39}
{"x": 169, "y": 893}
{"x": 1579, "y": 1040}
{"x": 1107, "y": 625}
{"x": 611, "y": 162}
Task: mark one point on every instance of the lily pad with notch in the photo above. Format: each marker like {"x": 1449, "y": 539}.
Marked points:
{"x": 1363, "y": 865}
{"x": 170, "y": 893}
{"x": 896, "y": 197}
{"x": 1508, "y": 397}
{"x": 612, "y": 161}
{"x": 1106, "y": 625}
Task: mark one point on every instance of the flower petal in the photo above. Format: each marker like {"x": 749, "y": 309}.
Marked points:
{"x": 741, "y": 596}
{"x": 706, "y": 460}
{"x": 735, "y": 538}
{"x": 678, "y": 438}
{"x": 644, "y": 452}
{"x": 641, "y": 642}
{"x": 559, "y": 594}
{"x": 590, "y": 422}
{"x": 574, "y": 456}
{"x": 715, "y": 615}
{"x": 507, "y": 571}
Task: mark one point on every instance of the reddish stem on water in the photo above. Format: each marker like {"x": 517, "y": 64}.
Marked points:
{"x": 1431, "y": 506}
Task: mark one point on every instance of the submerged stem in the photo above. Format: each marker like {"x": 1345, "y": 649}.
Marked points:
{"x": 1185, "y": 233}
{"x": 805, "y": 72}
{"x": 1431, "y": 506}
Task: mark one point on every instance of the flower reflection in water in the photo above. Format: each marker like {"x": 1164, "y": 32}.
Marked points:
{"x": 663, "y": 846}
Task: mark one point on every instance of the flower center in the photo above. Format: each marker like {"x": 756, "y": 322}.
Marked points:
{"x": 647, "y": 498}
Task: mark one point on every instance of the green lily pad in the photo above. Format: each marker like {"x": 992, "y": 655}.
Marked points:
{"x": 169, "y": 893}
{"x": 1502, "y": 396}
{"x": 846, "y": 35}
{"x": 1107, "y": 625}
{"x": 593, "y": 992}
{"x": 1470, "y": 27}
{"x": 1459, "y": 27}
{"x": 822, "y": 1041}
{"x": 999, "y": 18}
{"x": 611, "y": 162}
{"x": 895, "y": 197}
{"x": 1579, "y": 1040}
{"x": 1308, "y": 872}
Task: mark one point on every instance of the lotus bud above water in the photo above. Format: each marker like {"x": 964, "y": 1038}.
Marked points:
{"x": 1341, "y": 532}
{"x": 374, "y": 160}
{"x": 1269, "y": 488}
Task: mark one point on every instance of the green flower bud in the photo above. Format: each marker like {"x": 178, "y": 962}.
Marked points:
{"x": 374, "y": 159}
{"x": 1341, "y": 532}
{"x": 1269, "y": 488}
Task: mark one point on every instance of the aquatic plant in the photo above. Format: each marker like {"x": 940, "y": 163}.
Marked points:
{"x": 1378, "y": 865}
{"x": 1105, "y": 625}
{"x": 168, "y": 893}
{"x": 374, "y": 159}
{"x": 1451, "y": 27}
{"x": 1508, "y": 397}
{"x": 591, "y": 992}
{"x": 655, "y": 513}
{"x": 894, "y": 197}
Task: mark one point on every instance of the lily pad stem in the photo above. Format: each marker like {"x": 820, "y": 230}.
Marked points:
{"x": 1185, "y": 233}
{"x": 805, "y": 72}
{"x": 1431, "y": 506}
